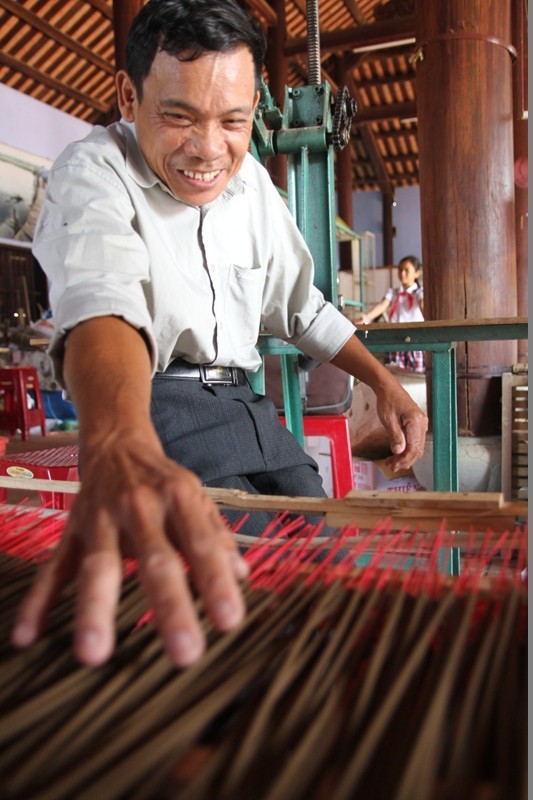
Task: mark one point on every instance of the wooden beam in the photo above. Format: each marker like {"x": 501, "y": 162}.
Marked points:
{"x": 355, "y": 11}
{"x": 371, "y": 56}
{"x": 381, "y": 113}
{"x": 41, "y": 78}
{"x": 463, "y": 511}
{"x": 102, "y": 7}
{"x": 386, "y": 80}
{"x": 369, "y": 141}
{"x": 39, "y": 24}
{"x": 301, "y": 5}
{"x": 377, "y": 33}
{"x": 265, "y": 9}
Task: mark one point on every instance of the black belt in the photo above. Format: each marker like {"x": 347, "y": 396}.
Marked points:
{"x": 221, "y": 376}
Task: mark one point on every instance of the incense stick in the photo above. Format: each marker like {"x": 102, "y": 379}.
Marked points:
{"x": 342, "y": 681}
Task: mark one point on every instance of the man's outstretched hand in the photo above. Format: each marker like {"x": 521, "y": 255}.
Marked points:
{"x": 135, "y": 502}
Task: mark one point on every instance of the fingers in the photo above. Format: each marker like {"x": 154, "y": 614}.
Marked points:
{"x": 165, "y": 584}
{"x": 148, "y": 522}
{"x": 208, "y": 547}
{"x": 214, "y": 575}
{"x": 406, "y": 425}
{"x": 50, "y": 579}
{"x": 397, "y": 440}
{"x": 100, "y": 578}
{"x": 99, "y": 571}
{"x": 215, "y": 563}
{"x": 406, "y": 458}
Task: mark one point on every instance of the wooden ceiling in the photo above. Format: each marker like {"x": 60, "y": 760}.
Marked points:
{"x": 62, "y": 52}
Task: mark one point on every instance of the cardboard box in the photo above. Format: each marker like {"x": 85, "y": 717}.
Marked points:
{"x": 369, "y": 475}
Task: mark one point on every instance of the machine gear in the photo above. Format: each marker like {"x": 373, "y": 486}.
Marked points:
{"x": 343, "y": 112}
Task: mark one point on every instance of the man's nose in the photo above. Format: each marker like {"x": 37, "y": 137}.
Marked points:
{"x": 206, "y": 142}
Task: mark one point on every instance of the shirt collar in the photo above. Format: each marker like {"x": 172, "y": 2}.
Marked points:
{"x": 136, "y": 164}
{"x": 145, "y": 177}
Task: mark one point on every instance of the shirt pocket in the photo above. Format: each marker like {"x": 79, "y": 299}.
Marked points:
{"x": 243, "y": 302}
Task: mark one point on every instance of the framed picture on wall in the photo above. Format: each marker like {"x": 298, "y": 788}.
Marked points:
{"x": 23, "y": 179}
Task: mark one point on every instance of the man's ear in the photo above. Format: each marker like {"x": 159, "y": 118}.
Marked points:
{"x": 126, "y": 95}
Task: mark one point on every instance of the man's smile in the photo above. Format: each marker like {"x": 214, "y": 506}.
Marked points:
{"x": 201, "y": 176}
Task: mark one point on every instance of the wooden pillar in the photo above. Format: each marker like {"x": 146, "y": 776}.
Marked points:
{"x": 465, "y": 128}
{"x": 520, "y": 95}
{"x": 123, "y": 13}
{"x": 276, "y": 65}
{"x": 521, "y": 228}
{"x": 387, "y": 199}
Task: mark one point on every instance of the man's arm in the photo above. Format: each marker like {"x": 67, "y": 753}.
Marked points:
{"x": 405, "y": 423}
{"x": 133, "y": 501}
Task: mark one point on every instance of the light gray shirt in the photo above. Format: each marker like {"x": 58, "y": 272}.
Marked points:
{"x": 198, "y": 281}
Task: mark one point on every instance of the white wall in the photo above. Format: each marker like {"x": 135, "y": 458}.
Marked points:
{"x": 35, "y": 127}
{"x": 406, "y": 220}
{"x": 368, "y": 216}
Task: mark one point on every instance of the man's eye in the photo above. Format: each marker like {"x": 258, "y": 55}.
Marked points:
{"x": 176, "y": 118}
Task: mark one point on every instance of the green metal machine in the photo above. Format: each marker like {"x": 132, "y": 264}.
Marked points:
{"x": 309, "y": 128}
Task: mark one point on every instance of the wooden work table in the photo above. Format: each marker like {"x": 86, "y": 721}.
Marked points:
{"x": 440, "y": 337}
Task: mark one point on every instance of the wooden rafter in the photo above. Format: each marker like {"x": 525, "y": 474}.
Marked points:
{"x": 72, "y": 70}
{"x": 39, "y": 24}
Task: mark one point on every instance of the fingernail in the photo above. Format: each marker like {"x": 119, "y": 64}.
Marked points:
{"x": 23, "y": 634}
{"x": 89, "y": 639}
{"x": 183, "y": 647}
{"x": 92, "y": 647}
{"x": 228, "y": 613}
{"x": 241, "y": 567}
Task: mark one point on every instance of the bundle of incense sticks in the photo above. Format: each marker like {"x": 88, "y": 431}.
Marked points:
{"x": 388, "y": 680}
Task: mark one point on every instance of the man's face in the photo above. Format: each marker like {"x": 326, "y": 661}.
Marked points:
{"x": 194, "y": 121}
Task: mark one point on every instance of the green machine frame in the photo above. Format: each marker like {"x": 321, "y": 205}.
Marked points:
{"x": 305, "y": 131}
{"x": 302, "y": 132}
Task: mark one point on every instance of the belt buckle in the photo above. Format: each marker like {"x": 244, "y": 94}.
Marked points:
{"x": 218, "y": 375}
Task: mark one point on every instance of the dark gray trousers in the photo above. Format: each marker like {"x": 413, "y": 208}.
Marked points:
{"x": 231, "y": 437}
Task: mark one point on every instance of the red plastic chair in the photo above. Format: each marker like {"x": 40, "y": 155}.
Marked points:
{"x": 57, "y": 463}
{"x": 19, "y": 386}
{"x": 336, "y": 429}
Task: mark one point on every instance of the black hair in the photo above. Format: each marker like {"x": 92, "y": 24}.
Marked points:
{"x": 188, "y": 29}
{"x": 416, "y": 264}
{"x": 414, "y": 261}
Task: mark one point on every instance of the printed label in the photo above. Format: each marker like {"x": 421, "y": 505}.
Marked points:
{"x": 19, "y": 472}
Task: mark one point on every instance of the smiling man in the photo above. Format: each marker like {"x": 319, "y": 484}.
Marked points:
{"x": 193, "y": 119}
{"x": 167, "y": 247}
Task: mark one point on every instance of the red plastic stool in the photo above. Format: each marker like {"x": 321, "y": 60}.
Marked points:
{"x": 336, "y": 429}
{"x": 16, "y": 384}
{"x": 57, "y": 463}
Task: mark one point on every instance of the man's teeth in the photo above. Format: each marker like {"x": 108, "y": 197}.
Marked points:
{"x": 201, "y": 176}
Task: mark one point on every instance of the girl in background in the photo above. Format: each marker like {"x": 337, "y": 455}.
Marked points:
{"x": 404, "y": 304}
